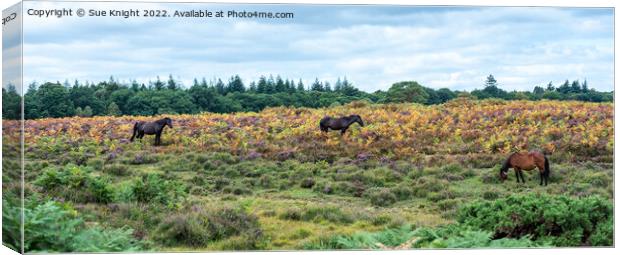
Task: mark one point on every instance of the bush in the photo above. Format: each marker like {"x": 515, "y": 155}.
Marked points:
{"x": 460, "y": 236}
{"x": 198, "y": 227}
{"x": 327, "y": 213}
{"x": 154, "y": 188}
{"x": 402, "y": 192}
{"x": 563, "y": 220}
{"x": 52, "y": 227}
{"x": 381, "y": 197}
{"x": 75, "y": 183}
{"x": 237, "y": 189}
{"x": 291, "y": 214}
{"x": 307, "y": 183}
{"x": 95, "y": 163}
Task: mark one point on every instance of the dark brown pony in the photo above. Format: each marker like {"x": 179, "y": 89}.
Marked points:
{"x": 341, "y": 124}
{"x": 526, "y": 161}
{"x": 151, "y": 128}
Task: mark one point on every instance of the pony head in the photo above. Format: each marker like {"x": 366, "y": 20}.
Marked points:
{"x": 168, "y": 122}
{"x": 503, "y": 172}
{"x": 358, "y": 119}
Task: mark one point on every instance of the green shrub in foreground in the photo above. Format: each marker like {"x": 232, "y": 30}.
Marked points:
{"x": 562, "y": 220}
{"x": 51, "y": 227}
{"x": 155, "y": 188}
{"x": 198, "y": 227}
{"x": 75, "y": 183}
{"x": 405, "y": 237}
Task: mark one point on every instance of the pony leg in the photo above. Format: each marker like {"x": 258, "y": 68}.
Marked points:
{"x": 541, "y": 178}
{"x": 521, "y": 174}
{"x": 158, "y": 139}
{"x": 517, "y": 174}
{"x": 344, "y": 130}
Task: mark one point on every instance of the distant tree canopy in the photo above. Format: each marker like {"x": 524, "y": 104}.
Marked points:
{"x": 171, "y": 97}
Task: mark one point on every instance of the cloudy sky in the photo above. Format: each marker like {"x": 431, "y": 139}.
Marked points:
{"x": 373, "y": 46}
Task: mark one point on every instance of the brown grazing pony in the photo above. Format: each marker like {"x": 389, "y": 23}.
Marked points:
{"x": 341, "y": 124}
{"x": 526, "y": 161}
{"x": 150, "y": 128}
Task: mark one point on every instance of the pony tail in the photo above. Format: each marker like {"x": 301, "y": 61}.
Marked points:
{"x": 547, "y": 169}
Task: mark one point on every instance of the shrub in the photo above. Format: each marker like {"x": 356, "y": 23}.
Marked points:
{"x": 452, "y": 168}
{"x": 198, "y": 227}
{"x": 380, "y": 176}
{"x": 95, "y": 163}
{"x": 402, "y": 191}
{"x": 381, "y": 197}
{"x": 293, "y": 213}
{"x": 75, "y": 183}
{"x": 155, "y": 188}
{"x": 52, "y": 227}
{"x": 563, "y": 220}
{"x": 460, "y": 236}
{"x": 237, "y": 189}
{"x": 142, "y": 158}
{"x": 327, "y": 213}
{"x": 307, "y": 183}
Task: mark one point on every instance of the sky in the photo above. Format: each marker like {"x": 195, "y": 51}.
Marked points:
{"x": 373, "y": 46}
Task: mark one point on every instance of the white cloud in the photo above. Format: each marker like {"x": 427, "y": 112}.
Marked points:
{"x": 373, "y": 47}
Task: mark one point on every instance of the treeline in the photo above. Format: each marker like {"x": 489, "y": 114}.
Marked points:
{"x": 170, "y": 97}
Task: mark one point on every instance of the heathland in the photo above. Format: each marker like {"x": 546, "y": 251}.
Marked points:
{"x": 415, "y": 176}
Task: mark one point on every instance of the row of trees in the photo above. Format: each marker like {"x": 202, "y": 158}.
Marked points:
{"x": 169, "y": 97}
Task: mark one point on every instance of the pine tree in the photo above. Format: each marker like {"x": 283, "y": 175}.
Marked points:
{"x": 158, "y": 84}
{"x": 317, "y": 85}
{"x": 338, "y": 85}
{"x": 491, "y": 81}
{"x": 327, "y": 87}
{"x": 279, "y": 87}
{"x": 172, "y": 84}
{"x": 300, "y": 86}
{"x": 584, "y": 86}
{"x": 262, "y": 85}
{"x": 235, "y": 84}
{"x": 550, "y": 86}
{"x": 220, "y": 87}
{"x": 575, "y": 87}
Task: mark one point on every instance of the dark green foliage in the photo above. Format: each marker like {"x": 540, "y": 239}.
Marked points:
{"x": 459, "y": 236}
{"x": 405, "y": 237}
{"x": 75, "y": 183}
{"x": 162, "y": 97}
{"x": 562, "y": 220}
{"x": 155, "y": 188}
{"x": 197, "y": 227}
{"x": 307, "y": 183}
{"x": 52, "y": 227}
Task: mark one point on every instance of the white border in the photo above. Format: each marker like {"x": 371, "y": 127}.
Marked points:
{"x": 564, "y": 3}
